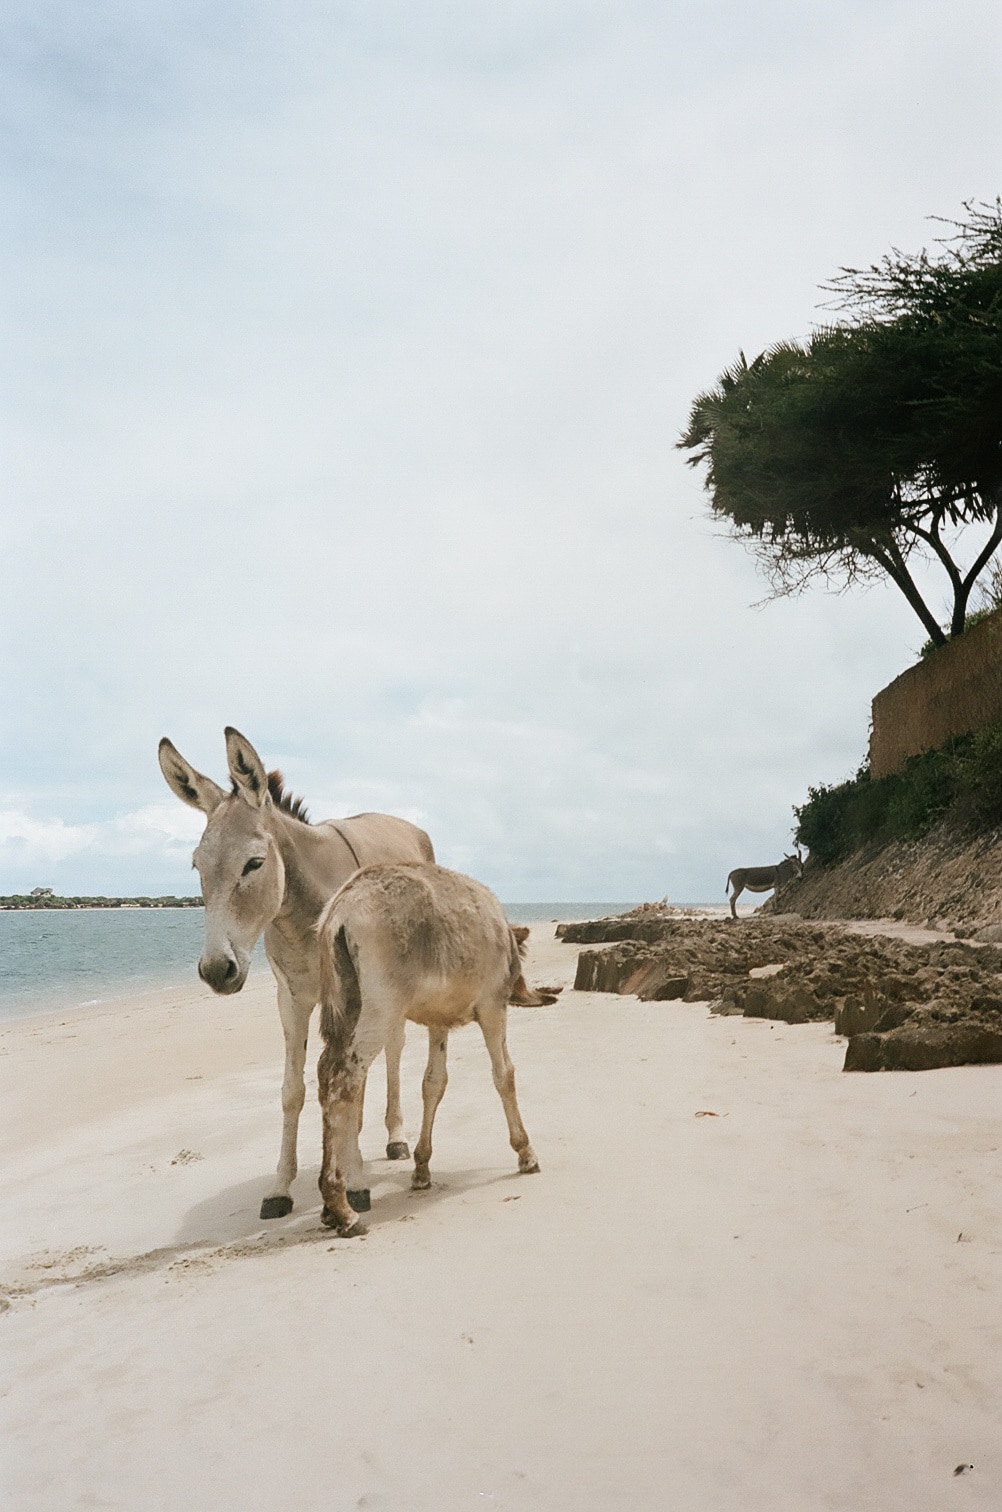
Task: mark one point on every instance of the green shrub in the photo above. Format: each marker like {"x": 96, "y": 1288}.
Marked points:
{"x": 921, "y": 794}
{"x": 825, "y": 822}
{"x": 961, "y": 782}
{"x": 978, "y": 774}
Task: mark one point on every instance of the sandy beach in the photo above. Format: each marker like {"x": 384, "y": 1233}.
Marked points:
{"x": 742, "y": 1280}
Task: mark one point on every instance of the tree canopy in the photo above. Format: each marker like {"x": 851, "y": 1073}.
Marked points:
{"x": 880, "y": 436}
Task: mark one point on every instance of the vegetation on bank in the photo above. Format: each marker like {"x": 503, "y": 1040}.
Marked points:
{"x": 20, "y": 901}
{"x": 960, "y": 784}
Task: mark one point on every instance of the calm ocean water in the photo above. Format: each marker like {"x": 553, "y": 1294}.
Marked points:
{"x": 62, "y": 960}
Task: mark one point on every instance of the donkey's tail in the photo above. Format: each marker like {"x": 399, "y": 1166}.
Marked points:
{"x": 340, "y": 993}
{"x": 520, "y": 994}
{"x": 524, "y": 996}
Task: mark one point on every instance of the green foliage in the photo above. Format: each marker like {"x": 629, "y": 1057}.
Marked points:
{"x": 978, "y": 775}
{"x": 826, "y": 823}
{"x": 792, "y": 451}
{"x": 961, "y": 783}
{"x": 841, "y": 456}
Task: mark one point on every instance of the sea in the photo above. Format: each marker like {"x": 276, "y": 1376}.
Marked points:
{"x": 59, "y": 960}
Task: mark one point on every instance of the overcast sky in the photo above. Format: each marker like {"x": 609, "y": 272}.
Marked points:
{"x": 345, "y": 347}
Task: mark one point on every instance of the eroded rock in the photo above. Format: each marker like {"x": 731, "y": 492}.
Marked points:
{"x": 931, "y": 1036}
{"x": 902, "y": 1006}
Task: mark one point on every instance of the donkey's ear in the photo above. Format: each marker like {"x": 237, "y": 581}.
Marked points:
{"x": 190, "y": 786}
{"x": 246, "y": 769}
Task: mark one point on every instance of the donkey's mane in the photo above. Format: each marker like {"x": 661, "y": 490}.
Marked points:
{"x": 287, "y": 802}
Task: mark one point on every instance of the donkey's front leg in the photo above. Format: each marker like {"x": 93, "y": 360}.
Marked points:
{"x": 295, "y": 1016}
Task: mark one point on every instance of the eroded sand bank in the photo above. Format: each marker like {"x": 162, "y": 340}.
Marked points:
{"x": 743, "y": 1280}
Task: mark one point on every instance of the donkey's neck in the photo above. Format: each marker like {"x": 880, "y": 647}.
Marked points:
{"x": 316, "y": 863}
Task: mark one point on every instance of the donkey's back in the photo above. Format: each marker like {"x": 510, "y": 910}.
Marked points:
{"x": 425, "y": 942}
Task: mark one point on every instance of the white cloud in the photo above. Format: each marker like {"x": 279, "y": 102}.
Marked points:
{"x": 30, "y": 843}
{"x": 161, "y": 828}
{"x": 47, "y": 852}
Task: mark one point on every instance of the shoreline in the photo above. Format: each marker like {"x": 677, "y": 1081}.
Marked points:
{"x": 131, "y": 998}
{"x": 113, "y": 992}
{"x": 42, "y": 976}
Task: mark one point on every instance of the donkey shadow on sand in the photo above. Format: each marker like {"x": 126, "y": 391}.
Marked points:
{"x": 229, "y": 1217}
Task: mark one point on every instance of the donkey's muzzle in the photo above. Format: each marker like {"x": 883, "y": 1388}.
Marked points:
{"x": 222, "y": 973}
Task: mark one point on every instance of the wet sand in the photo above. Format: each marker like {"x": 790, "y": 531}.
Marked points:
{"x": 742, "y": 1280}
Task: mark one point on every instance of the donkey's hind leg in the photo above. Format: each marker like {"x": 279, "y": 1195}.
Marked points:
{"x": 340, "y": 1095}
{"x": 493, "y": 1021}
{"x": 361, "y": 1105}
{"x": 341, "y": 1076}
{"x": 396, "y": 1144}
{"x": 433, "y": 1085}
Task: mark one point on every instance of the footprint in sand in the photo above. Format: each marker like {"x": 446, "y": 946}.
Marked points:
{"x": 186, "y": 1157}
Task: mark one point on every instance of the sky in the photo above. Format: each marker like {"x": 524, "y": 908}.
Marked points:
{"x": 345, "y": 347}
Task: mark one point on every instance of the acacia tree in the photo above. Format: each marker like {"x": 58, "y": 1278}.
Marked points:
{"x": 841, "y": 457}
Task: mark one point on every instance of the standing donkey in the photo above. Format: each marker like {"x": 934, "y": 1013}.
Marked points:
{"x": 758, "y": 879}
{"x": 264, "y": 867}
{"x": 416, "y": 942}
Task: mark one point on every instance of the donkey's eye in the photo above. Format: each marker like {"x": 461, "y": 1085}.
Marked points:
{"x": 254, "y": 864}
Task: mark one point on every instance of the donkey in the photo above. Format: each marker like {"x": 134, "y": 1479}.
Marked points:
{"x": 399, "y": 942}
{"x": 759, "y": 879}
{"x": 265, "y": 867}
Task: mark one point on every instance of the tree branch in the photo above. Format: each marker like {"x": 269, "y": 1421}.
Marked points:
{"x": 980, "y": 562}
{"x": 893, "y": 563}
{"x": 933, "y": 538}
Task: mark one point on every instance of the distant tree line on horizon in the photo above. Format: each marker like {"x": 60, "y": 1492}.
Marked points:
{"x": 43, "y": 900}
{"x": 879, "y": 439}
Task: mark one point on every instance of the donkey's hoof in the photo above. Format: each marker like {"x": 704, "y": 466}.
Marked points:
{"x": 359, "y": 1201}
{"x": 276, "y": 1207}
{"x": 529, "y": 1170}
{"x": 353, "y": 1230}
{"x": 398, "y": 1149}
{"x": 420, "y": 1181}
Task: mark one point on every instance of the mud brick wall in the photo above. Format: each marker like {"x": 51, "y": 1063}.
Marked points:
{"x": 956, "y": 689}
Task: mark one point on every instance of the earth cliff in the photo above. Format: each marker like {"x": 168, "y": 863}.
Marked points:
{"x": 946, "y": 880}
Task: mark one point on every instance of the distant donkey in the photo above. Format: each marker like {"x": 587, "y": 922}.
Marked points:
{"x": 760, "y": 879}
